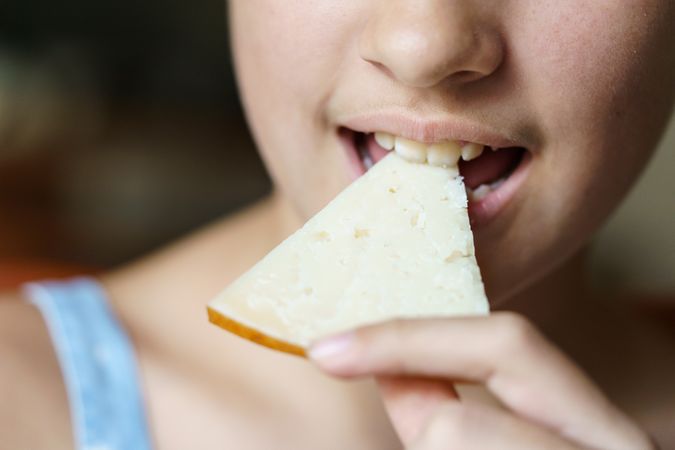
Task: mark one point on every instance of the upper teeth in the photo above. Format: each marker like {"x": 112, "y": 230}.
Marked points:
{"x": 446, "y": 153}
{"x": 411, "y": 150}
{"x": 471, "y": 151}
{"x": 385, "y": 140}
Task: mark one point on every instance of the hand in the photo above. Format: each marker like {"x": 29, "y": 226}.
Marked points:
{"x": 549, "y": 403}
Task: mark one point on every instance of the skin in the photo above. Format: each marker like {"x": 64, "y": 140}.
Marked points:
{"x": 575, "y": 82}
{"x": 585, "y": 86}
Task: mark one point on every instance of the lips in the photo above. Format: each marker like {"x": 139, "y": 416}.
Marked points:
{"x": 491, "y": 174}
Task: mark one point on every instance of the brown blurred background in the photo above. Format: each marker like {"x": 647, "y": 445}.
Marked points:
{"x": 120, "y": 129}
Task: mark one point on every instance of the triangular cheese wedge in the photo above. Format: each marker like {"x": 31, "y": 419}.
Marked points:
{"x": 394, "y": 244}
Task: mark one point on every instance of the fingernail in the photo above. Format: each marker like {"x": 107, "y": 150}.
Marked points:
{"x": 331, "y": 347}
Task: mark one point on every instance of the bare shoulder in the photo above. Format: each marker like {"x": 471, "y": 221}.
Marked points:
{"x": 33, "y": 403}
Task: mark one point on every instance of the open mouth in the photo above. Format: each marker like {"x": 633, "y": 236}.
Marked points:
{"x": 491, "y": 175}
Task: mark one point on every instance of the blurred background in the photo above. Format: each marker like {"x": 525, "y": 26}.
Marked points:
{"x": 120, "y": 130}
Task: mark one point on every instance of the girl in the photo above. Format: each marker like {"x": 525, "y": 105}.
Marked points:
{"x": 578, "y": 91}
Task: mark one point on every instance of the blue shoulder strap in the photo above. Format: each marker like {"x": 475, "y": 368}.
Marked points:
{"x": 98, "y": 364}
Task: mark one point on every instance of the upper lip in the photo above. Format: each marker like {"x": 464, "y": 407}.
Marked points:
{"x": 431, "y": 130}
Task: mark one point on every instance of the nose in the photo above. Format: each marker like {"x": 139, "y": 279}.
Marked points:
{"x": 424, "y": 42}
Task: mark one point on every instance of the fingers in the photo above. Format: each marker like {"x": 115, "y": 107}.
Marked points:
{"x": 474, "y": 427}
{"x": 410, "y": 402}
{"x": 503, "y": 352}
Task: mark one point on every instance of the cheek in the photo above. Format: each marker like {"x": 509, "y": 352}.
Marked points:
{"x": 287, "y": 55}
{"x": 600, "y": 91}
{"x": 581, "y": 63}
{"x": 276, "y": 49}
{"x": 273, "y": 64}
{"x": 600, "y": 95}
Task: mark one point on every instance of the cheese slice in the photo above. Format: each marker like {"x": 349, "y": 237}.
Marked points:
{"x": 395, "y": 244}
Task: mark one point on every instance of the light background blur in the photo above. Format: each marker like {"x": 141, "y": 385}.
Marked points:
{"x": 120, "y": 130}
{"x": 636, "y": 249}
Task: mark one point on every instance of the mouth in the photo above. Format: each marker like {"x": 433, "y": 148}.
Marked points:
{"x": 492, "y": 175}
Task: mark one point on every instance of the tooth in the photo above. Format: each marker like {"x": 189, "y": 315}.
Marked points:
{"x": 368, "y": 162}
{"x": 411, "y": 150}
{"x": 496, "y": 184}
{"x": 480, "y": 192}
{"x": 471, "y": 151}
{"x": 385, "y": 140}
{"x": 444, "y": 154}
{"x": 470, "y": 194}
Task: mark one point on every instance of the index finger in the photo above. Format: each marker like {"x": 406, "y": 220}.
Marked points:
{"x": 504, "y": 352}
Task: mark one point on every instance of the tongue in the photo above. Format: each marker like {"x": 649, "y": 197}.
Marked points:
{"x": 489, "y": 167}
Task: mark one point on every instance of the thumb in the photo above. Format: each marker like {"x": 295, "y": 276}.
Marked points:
{"x": 411, "y": 401}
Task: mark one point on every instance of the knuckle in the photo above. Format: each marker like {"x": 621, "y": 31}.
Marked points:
{"x": 384, "y": 343}
{"x": 516, "y": 333}
{"x": 398, "y": 328}
{"x": 398, "y": 341}
{"x": 392, "y": 330}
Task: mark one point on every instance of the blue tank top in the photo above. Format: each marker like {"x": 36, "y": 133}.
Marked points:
{"x": 98, "y": 364}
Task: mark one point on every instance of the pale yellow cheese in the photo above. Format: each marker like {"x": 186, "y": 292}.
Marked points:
{"x": 396, "y": 243}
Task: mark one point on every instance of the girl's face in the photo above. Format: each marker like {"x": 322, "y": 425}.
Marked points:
{"x": 580, "y": 90}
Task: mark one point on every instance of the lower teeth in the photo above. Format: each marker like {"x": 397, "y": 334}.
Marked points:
{"x": 367, "y": 161}
{"x": 365, "y": 155}
{"x": 483, "y": 190}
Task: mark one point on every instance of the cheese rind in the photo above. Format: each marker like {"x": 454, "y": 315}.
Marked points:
{"x": 396, "y": 243}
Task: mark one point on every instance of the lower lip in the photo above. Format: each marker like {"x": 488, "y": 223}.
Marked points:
{"x": 481, "y": 212}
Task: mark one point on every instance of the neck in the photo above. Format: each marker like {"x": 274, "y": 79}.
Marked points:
{"x": 227, "y": 247}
